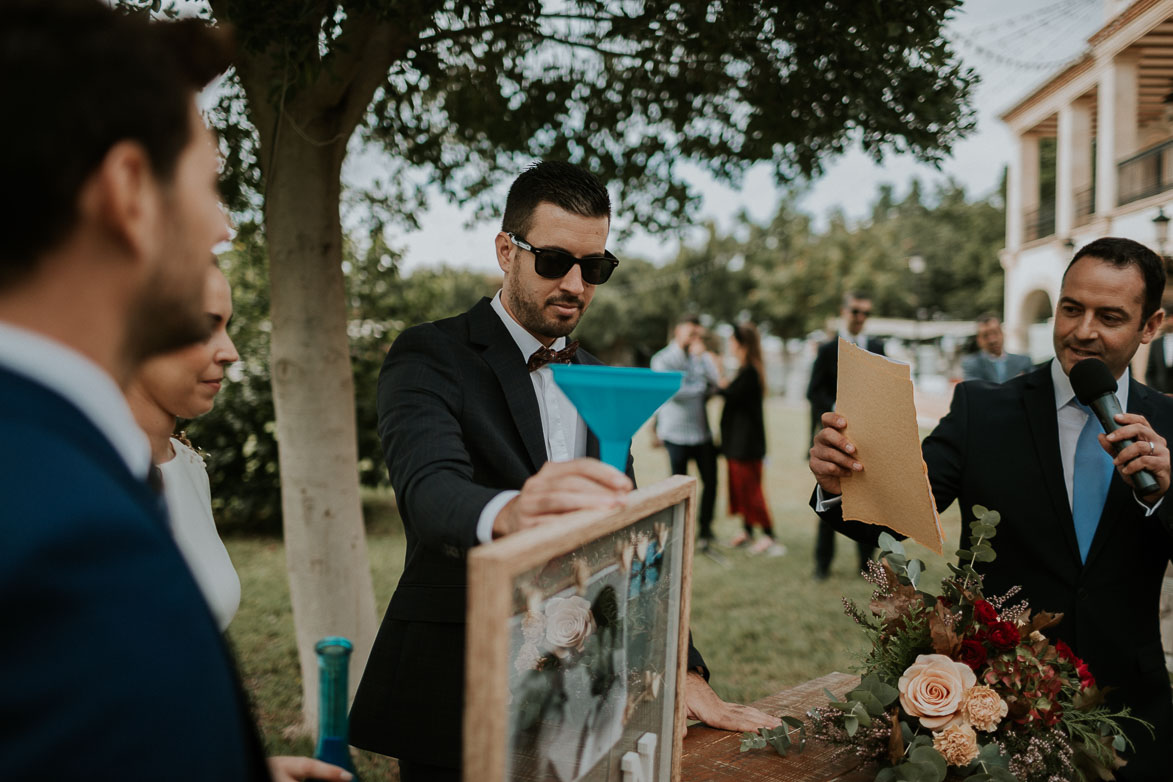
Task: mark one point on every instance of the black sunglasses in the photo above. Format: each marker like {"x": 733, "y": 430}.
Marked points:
{"x": 554, "y": 264}
{"x": 861, "y": 313}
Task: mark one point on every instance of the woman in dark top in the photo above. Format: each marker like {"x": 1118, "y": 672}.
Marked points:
{"x": 743, "y": 441}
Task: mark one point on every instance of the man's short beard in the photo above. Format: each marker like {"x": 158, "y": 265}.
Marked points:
{"x": 529, "y": 314}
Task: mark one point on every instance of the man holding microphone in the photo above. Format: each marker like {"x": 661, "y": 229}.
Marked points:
{"x": 1075, "y": 534}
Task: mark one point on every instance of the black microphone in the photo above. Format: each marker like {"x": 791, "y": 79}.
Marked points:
{"x": 1095, "y": 387}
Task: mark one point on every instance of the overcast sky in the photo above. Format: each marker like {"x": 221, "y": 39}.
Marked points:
{"x": 1014, "y": 45}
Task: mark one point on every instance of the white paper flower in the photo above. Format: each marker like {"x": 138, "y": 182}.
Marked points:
{"x": 569, "y": 623}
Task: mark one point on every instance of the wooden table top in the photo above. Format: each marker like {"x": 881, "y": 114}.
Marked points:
{"x": 715, "y": 755}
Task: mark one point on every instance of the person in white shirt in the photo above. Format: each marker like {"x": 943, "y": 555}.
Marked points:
{"x": 184, "y": 384}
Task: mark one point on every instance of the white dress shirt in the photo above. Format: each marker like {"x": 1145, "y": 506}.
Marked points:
{"x": 189, "y": 503}
{"x": 83, "y": 384}
{"x": 563, "y": 429}
{"x": 1071, "y": 418}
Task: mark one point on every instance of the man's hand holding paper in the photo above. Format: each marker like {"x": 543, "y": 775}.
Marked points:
{"x": 875, "y": 396}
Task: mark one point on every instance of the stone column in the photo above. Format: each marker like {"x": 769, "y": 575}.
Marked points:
{"x": 1116, "y": 121}
{"x": 1022, "y": 188}
{"x": 1073, "y": 163}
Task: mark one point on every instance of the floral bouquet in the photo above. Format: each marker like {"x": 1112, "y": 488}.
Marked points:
{"x": 962, "y": 686}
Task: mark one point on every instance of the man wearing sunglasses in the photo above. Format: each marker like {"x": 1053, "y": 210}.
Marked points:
{"x": 856, "y": 309}
{"x": 480, "y": 443}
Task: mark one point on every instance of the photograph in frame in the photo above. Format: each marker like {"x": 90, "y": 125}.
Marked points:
{"x": 576, "y": 644}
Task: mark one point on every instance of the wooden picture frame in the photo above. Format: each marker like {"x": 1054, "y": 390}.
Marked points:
{"x": 577, "y": 645}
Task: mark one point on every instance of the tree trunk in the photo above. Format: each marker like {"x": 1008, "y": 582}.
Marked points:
{"x": 313, "y": 393}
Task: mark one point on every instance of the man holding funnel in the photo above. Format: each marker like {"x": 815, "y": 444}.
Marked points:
{"x": 480, "y": 443}
{"x": 1079, "y": 532}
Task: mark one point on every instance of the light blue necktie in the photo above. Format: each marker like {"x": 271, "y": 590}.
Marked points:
{"x": 1093, "y": 473}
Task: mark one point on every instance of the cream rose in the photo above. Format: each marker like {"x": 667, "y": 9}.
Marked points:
{"x": 957, "y": 744}
{"x": 933, "y": 689}
{"x": 569, "y": 623}
{"x": 983, "y": 708}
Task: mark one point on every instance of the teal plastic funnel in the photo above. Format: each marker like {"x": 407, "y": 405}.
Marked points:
{"x": 615, "y": 401}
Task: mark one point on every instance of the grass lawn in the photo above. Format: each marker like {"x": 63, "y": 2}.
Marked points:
{"x": 762, "y": 623}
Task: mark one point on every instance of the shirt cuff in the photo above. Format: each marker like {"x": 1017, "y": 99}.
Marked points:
{"x": 489, "y": 515}
{"x": 1147, "y": 510}
{"x": 823, "y": 502}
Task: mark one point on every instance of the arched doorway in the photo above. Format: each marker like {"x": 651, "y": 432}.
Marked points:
{"x": 1035, "y": 324}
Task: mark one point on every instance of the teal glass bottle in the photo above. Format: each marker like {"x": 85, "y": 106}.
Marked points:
{"x": 333, "y": 724}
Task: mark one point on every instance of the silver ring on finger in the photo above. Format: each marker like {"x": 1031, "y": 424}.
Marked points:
{"x": 1152, "y": 448}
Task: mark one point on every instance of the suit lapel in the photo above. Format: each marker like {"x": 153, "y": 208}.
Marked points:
{"x": 1039, "y": 400}
{"x": 1120, "y": 496}
{"x": 501, "y": 354}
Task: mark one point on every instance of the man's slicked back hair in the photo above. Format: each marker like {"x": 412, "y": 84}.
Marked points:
{"x": 564, "y": 185}
{"x": 1122, "y": 253}
{"x": 77, "y": 78}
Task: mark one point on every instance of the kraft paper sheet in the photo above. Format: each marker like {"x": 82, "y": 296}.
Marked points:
{"x": 875, "y": 396}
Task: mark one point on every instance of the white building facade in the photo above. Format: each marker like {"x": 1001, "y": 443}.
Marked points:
{"x": 1093, "y": 157}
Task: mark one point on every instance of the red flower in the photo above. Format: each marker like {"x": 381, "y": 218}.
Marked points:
{"x": 1065, "y": 652}
{"x": 1085, "y": 675}
{"x": 972, "y": 653}
{"x": 985, "y": 613}
{"x": 1004, "y": 635}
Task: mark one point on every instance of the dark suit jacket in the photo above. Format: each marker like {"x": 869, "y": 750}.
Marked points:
{"x": 979, "y": 366}
{"x": 1159, "y": 375}
{"x": 825, "y": 374}
{"x": 459, "y": 423}
{"x": 743, "y": 428}
{"x": 999, "y": 447}
{"x": 112, "y": 666}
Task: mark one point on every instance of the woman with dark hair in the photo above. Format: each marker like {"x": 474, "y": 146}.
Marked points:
{"x": 743, "y": 441}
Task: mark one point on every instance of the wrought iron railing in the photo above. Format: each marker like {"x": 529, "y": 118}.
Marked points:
{"x": 1145, "y": 173}
{"x": 1085, "y": 204}
{"x": 1040, "y": 222}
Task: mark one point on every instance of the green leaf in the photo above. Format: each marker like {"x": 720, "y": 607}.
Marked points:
{"x": 984, "y": 553}
{"x": 884, "y": 692}
{"x": 794, "y": 722}
{"x": 963, "y": 553}
{"x": 980, "y": 530}
{"x": 890, "y": 544}
{"x": 980, "y": 511}
{"x": 1118, "y": 743}
{"x": 886, "y": 775}
{"x": 860, "y": 712}
{"x": 915, "y": 568}
{"x": 850, "y": 724}
{"x": 992, "y": 518}
{"x": 1002, "y": 775}
{"x": 930, "y": 757}
{"x": 870, "y": 702}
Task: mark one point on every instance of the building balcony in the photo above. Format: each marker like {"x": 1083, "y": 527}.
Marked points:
{"x": 1145, "y": 174}
{"x": 1039, "y": 222}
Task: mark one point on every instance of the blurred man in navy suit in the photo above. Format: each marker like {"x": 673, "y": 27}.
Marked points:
{"x": 992, "y": 363}
{"x": 112, "y": 666}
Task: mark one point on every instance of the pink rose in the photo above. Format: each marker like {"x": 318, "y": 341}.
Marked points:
{"x": 933, "y": 688}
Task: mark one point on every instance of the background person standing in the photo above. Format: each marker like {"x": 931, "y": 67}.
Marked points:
{"x": 743, "y": 441}
{"x": 991, "y": 362}
{"x": 682, "y": 424}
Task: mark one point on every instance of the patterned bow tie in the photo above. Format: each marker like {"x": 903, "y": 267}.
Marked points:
{"x": 544, "y": 355}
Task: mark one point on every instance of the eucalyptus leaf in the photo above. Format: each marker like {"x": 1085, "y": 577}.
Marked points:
{"x": 999, "y": 774}
{"x": 915, "y": 568}
{"x": 984, "y": 553}
{"x": 930, "y": 757}
{"x": 889, "y": 543}
{"x": 884, "y": 692}
{"x": 850, "y": 724}
{"x": 1118, "y": 743}
{"x": 870, "y": 702}
{"x": 980, "y": 511}
{"x": 980, "y": 529}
